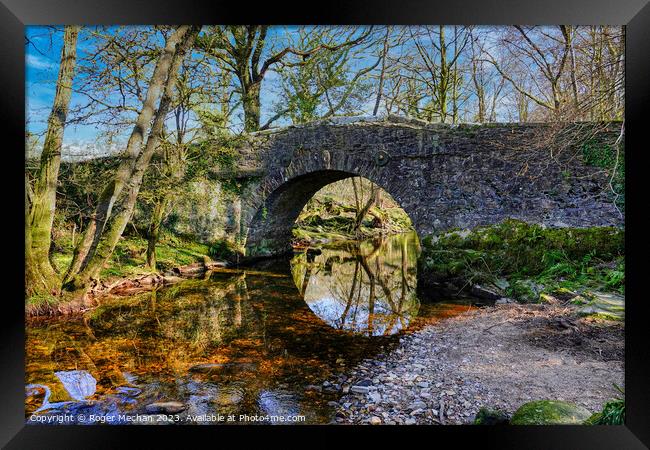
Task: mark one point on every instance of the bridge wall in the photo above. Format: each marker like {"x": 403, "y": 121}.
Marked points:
{"x": 443, "y": 176}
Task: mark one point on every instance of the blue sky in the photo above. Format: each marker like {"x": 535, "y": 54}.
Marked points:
{"x": 43, "y": 50}
{"x": 42, "y": 55}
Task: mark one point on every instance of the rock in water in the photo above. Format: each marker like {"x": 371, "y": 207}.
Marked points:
{"x": 78, "y": 383}
{"x": 550, "y": 412}
{"x": 230, "y": 367}
{"x": 229, "y": 396}
{"x": 165, "y": 407}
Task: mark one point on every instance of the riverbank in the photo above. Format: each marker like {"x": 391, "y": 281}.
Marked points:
{"x": 494, "y": 357}
{"x": 126, "y": 272}
{"x": 71, "y": 304}
{"x": 525, "y": 262}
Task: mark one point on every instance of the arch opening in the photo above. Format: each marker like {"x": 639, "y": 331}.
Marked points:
{"x": 272, "y": 228}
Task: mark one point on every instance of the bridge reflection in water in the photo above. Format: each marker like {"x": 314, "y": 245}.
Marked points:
{"x": 367, "y": 288}
{"x": 244, "y": 342}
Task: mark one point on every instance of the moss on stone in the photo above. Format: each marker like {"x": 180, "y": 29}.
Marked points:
{"x": 550, "y": 412}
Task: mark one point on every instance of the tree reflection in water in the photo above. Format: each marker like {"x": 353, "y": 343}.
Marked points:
{"x": 367, "y": 288}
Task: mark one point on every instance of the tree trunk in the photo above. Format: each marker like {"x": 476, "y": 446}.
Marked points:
{"x": 113, "y": 189}
{"x": 363, "y": 211}
{"x": 40, "y": 275}
{"x": 251, "y": 105}
{"x": 574, "y": 81}
{"x": 154, "y": 230}
{"x": 102, "y": 251}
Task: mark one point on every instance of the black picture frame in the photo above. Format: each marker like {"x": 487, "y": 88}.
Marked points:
{"x": 635, "y": 14}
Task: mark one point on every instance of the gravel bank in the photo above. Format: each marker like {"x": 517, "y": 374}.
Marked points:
{"x": 497, "y": 357}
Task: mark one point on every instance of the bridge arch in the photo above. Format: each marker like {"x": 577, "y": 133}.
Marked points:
{"x": 270, "y": 230}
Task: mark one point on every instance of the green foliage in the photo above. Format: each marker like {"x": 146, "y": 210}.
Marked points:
{"x": 78, "y": 187}
{"x": 217, "y": 153}
{"x": 487, "y": 416}
{"x": 554, "y": 257}
{"x": 613, "y": 412}
{"x": 129, "y": 256}
{"x": 224, "y": 250}
{"x": 323, "y": 84}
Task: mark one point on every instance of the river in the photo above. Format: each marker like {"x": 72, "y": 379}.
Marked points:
{"x": 247, "y": 346}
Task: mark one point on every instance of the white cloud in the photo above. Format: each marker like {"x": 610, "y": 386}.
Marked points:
{"x": 38, "y": 62}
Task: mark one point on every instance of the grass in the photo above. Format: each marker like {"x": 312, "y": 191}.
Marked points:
{"x": 613, "y": 412}
{"x": 129, "y": 257}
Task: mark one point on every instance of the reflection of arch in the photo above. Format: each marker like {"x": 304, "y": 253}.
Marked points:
{"x": 365, "y": 291}
{"x": 270, "y": 228}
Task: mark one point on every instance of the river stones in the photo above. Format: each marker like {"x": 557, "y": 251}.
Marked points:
{"x": 165, "y": 407}
{"x": 360, "y": 389}
{"x": 550, "y": 412}
{"x": 374, "y": 420}
{"x": 128, "y": 391}
{"x": 416, "y": 405}
{"x": 229, "y": 396}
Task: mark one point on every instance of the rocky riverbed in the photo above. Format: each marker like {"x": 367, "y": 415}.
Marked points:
{"x": 495, "y": 357}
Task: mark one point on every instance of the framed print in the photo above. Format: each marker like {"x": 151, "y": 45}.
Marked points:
{"x": 387, "y": 218}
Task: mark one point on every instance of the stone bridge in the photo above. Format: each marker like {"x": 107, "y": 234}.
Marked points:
{"x": 443, "y": 176}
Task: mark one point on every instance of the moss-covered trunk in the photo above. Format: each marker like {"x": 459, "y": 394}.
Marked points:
{"x": 41, "y": 278}
{"x": 251, "y": 105}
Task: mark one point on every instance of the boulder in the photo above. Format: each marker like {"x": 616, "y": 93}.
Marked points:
{"x": 602, "y": 304}
{"x": 550, "y": 412}
{"x": 487, "y": 292}
{"x": 526, "y": 291}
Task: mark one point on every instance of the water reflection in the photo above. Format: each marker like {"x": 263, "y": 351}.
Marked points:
{"x": 367, "y": 288}
{"x": 239, "y": 342}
